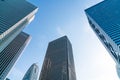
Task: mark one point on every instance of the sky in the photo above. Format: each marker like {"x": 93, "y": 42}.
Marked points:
{"x": 56, "y": 18}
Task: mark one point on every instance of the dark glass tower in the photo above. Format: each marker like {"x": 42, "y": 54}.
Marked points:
{"x": 58, "y": 63}
{"x": 14, "y": 16}
{"x": 104, "y": 18}
{"x": 32, "y": 73}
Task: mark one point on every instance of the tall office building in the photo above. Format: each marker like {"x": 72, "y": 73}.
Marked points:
{"x": 58, "y": 63}
{"x": 32, "y": 73}
{"x": 10, "y": 54}
{"x": 14, "y": 15}
{"x": 104, "y": 18}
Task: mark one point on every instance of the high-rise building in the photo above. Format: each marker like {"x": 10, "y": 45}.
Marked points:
{"x": 104, "y": 18}
{"x": 14, "y": 15}
{"x": 11, "y": 53}
{"x": 32, "y": 73}
{"x": 58, "y": 63}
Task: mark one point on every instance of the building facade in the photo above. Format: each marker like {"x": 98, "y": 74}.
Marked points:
{"x": 32, "y": 73}
{"x": 104, "y": 19}
{"x": 11, "y": 53}
{"x": 14, "y": 16}
{"x": 58, "y": 63}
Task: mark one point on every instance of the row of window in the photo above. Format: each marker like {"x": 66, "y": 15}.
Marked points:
{"x": 102, "y": 37}
{"x": 10, "y": 52}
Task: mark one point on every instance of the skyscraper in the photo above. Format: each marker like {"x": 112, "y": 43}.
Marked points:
{"x": 104, "y": 18}
{"x": 58, "y": 63}
{"x": 14, "y": 15}
{"x": 32, "y": 73}
{"x": 10, "y": 54}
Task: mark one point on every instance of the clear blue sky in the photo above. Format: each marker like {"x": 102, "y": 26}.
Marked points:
{"x": 56, "y": 18}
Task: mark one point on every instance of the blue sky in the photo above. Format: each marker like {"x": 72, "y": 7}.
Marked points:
{"x": 56, "y": 18}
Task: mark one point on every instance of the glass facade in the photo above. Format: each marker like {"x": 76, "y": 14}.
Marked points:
{"x": 12, "y": 11}
{"x": 10, "y": 54}
{"x": 14, "y": 16}
{"x": 58, "y": 63}
{"x": 104, "y": 18}
{"x": 32, "y": 73}
{"x": 4, "y": 42}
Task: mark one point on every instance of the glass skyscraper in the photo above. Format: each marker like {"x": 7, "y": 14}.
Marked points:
{"x": 32, "y": 73}
{"x": 58, "y": 63}
{"x": 10, "y": 54}
{"x": 14, "y": 15}
{"x": 104, "y": 18}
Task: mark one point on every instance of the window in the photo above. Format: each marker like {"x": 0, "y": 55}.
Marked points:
{"x": 102, "y": 37}
{"x": 93, "y": 26}
{"x": 89, "y": 21}
{"x": 97, "y": 31}
{"x": 112, "y": 50}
